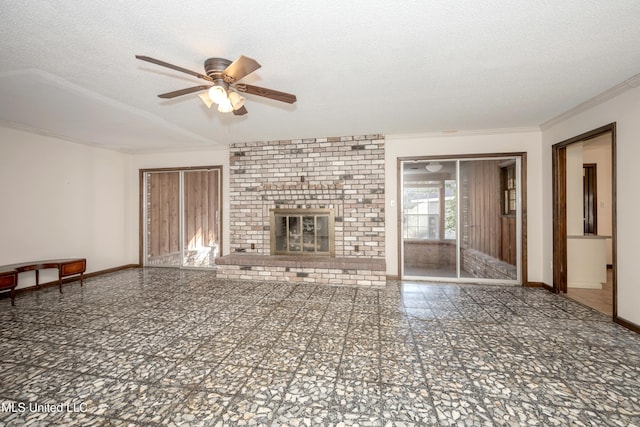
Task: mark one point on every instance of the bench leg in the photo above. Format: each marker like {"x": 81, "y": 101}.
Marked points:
{"x": 13, "y": 296}
{"x": 60, "y": 281}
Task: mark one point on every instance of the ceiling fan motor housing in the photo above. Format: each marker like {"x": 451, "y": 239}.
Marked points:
{"x": 214, "y": 67}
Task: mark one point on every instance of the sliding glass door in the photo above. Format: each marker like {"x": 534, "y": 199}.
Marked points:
{"x": 461, "y": 219}
{"x": 181, "y": 217}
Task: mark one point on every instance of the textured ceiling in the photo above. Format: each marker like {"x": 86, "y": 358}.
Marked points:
{"x": 67, "y": 68}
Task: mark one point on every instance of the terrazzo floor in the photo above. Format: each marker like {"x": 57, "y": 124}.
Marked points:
{"x": 170, "y": 347}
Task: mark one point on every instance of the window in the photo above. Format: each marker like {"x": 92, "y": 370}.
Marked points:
{"x": 450, "y": 209}
{"x": 509, "y": 190}
{"x": 422, "y": 212}
{"x": 430, "y": 210}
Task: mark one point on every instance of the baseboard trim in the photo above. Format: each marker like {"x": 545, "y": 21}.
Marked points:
{"x": 539, "y": 285}
{"x": 112, "y": 270}
{"x": 392, "y": 277}
{"x": 627, "y": 324}
{"x": 74, "y": 278}
{"x": 533, "y": 285}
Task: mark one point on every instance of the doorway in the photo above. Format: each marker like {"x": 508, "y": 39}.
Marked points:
{"x": 461, "y": 218}
{"x": 584, "y": 218}
{"x": 180, "y": 213}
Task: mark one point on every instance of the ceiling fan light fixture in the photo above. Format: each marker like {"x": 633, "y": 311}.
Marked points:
{"x": 217, "y": 94}
{"x": 204, "y": 96}
{"x": 225, "y": 106}
{"x": 433, "y": 166}
{"x": 237, "y": 101}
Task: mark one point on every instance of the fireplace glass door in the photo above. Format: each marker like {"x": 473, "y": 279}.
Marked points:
{"x": 302, "y": 232}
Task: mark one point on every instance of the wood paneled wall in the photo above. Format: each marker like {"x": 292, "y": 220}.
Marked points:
{"x": 485, "y": 229}
{"x": 509, "y": 250}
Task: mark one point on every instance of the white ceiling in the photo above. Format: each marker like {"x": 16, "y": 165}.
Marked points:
{"x": 67, "y": 68}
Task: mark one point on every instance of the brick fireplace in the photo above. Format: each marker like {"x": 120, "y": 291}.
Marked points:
{"x": 302, "y": 179}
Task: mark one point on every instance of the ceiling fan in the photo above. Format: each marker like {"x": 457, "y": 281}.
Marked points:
{"x": 223, "y": 88}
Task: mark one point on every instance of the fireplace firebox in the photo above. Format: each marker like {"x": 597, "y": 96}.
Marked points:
{"x": 302, "y": 231}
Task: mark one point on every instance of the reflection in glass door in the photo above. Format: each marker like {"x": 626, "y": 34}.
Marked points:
{"x": 182, "y": 217}
{"x": 461, "y": 219}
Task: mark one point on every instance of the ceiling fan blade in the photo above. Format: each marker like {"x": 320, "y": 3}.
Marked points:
{"x": 240, "y": 111}
{"x": 174, "y": 67}
{"x": 181, "y": 92}
{"x": 240, "y": 68}
{"x": 267, "y": 93}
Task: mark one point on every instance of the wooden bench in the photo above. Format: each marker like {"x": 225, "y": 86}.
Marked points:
{"x": 66, "y": 267}
{"x": 9, "y": 280}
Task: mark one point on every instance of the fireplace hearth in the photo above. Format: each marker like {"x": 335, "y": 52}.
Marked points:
{"x": 302, "y": 232}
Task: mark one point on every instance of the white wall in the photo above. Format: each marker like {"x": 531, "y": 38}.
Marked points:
{"x": 598, "y": 151}
{"x": 575, "y": 191}
{"x": 59, "y": 200}
{"x": 214, "y": 157}
{"x": 504, "y": 141}
{"x": 624, "y": 110}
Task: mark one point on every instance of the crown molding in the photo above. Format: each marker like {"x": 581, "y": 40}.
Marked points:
{"x": 456, "y": 133}
{"x": 618, "y": 89}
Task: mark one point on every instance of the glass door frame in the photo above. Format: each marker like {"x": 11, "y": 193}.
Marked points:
{"x": 143, "y": 230}
{"x": 521, "y": 256}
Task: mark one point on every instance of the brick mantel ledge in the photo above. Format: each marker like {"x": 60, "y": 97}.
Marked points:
{"x": 252, "y": 260}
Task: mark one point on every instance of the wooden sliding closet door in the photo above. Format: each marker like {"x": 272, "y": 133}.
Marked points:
{"x": 201, "y": 199}
{"x": 163, "y": 219}
{"x": 181, "y": 211}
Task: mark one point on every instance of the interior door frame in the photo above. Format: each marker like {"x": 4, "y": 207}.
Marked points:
{"x": 559, "y": 177}
{"x": 523, "y": 204}
{"x": 141, "y": 204}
